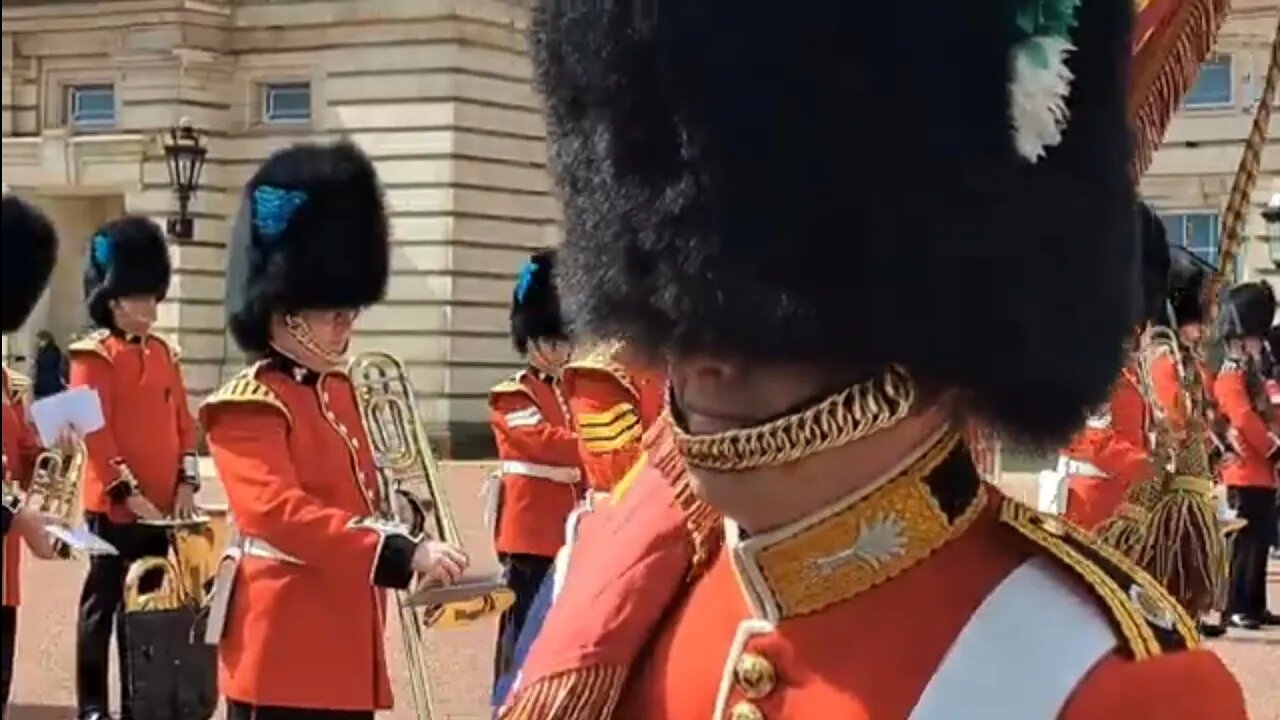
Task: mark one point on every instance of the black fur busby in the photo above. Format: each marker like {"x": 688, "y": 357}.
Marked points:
{"x": 842, "y": 186}
{"x": 1188, "y": 279}
{"x": 312, "y": 233}
{"x": 1155, "y": 264}
{"x": 30, "y": 250}
{"x": 535, "y": 303}
{"x": 1247, "y": 310}
{"x": 126, "y": 257}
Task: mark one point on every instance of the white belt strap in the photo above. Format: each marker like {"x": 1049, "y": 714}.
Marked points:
{"x": 1068, "y": 466}
{"x": 565, "y": 475}
{"x": 1034, "y": 632}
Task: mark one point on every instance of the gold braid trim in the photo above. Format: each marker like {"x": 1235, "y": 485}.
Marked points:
{"x": 589, "y": 693}
{"x": 1126, "y": 530}
{"x": 704, "y": 524}
{"x": 844, "y": 417}
{"x": 1185, "y": 550}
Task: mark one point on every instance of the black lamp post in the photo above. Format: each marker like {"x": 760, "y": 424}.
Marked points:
{"x": 184, "y": 153}
{"x": 1271, "y": 213}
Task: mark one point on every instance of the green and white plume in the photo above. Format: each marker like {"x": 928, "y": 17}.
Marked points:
{"x": 1041, "y": 80}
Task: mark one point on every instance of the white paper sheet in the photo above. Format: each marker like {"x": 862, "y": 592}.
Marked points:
{"x": 81, "y": 540}
{"x": 78, "y": 408}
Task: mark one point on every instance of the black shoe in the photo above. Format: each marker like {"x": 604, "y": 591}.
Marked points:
{"x": 1244, "y": 622}
{"x": 95, "y": 715}
{"x": 1270, "y": 618}
{"x": 1212, "y": 630}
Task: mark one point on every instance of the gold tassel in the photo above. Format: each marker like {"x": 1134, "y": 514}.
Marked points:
{"x": 1184, "y": 548}
{"x": 1126, "y": 531}
{"x": 589, "y": 692}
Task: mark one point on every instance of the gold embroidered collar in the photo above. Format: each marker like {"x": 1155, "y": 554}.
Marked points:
{"x": 864, "y": 539}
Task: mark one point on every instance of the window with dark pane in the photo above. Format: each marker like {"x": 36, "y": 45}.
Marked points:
{"x": 286, "y": 103}
{"x": 91, "y": 105}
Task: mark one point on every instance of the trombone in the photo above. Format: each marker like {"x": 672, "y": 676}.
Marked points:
{"x": 404, "y": 461}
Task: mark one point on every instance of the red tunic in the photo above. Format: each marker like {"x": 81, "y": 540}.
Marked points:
{"x": 1113, "y": 449}
{"x": 1252, "y": 464}
{"x": 305, "y": 626}
{"x": 852, "y": 612}
{"x": 612, "y": 405}
{"x": 148, "y": 427}
{"x": 21, "y": 448}
{"x": 540, "y": 469}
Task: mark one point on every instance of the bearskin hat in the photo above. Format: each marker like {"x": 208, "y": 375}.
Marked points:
{"x": 127, "y": 256}
{"x": 535, "y": 303}
{"x": 30, "y": 250}
{"x": 851, "y": 186}
{"x": 1155, "y": 264}
{"x": 1247, "y": 310}
{"x": 1188, "y": 276}
{"x": 312, "y": 233}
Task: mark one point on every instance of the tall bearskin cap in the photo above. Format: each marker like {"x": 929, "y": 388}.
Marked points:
{"x": 1155, "y": 263}
{"x": 1188, "y": 278}
{"x": 126, "y": 257}
{"x": 30, "y": 249}
{"x": 1247, "y": 310}
{"x": 312, "y": 233}
{"x": 535, "y": 303}
{"x": 857, "y": 184}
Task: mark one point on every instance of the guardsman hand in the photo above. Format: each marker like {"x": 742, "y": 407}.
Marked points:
{"x": 439, "y": 562}
{"x": 31, "y": 523}
{"x": 142, "y": 507}
{"x": 184, "y": 502}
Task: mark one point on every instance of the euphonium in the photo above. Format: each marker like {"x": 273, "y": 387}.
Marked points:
{"x": 55, "y": 483}
{"x": 397, "y": 437}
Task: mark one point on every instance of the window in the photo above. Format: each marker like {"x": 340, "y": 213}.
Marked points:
{"x": 1198, "y": 232}
{"x": 1213, "y": 86}
{"x": 286, "y": 103}
{"x": 91, "y": 106}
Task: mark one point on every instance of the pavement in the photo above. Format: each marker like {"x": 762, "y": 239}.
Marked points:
{"x": 459, "y": 661}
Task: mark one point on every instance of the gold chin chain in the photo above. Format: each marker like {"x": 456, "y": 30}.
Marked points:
{"x": 851, "y": 414}
{"x": 300, "y": 331}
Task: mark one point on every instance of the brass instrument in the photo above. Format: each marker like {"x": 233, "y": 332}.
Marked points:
{"x": 55, "y": 491}
{"x": 404, "y": 461}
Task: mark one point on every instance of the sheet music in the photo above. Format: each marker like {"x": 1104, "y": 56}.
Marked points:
{"x": 79, "y": 408}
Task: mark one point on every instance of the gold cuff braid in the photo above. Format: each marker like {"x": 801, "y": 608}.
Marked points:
{"x": 849, "y": 415}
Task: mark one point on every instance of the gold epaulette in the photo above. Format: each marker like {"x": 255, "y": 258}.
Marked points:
{"x": 511, "y": 386}
{"x": 91, "y": 343}
{"x": 246, "y": 388}
{"x": 175, "y": 352}
{"x": 605, "y": 359}
{"x": 19, "y": 386}
{"x": 1148, "y": 621}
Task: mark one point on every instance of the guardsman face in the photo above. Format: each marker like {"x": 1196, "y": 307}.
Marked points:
{"x": 716, "y": 394}
{"x": 135, "y": 314}
{"x": 549, "y": 355}
{"x": 1191, "y": 333}
{"x": 331, "y": 329}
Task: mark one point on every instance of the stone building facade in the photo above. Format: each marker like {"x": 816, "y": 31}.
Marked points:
{"x": 1190, "y": 179}
{"x": 436, "y": 91}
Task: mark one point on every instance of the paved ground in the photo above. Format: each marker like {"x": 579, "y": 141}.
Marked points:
{"x": 460, "y": 660}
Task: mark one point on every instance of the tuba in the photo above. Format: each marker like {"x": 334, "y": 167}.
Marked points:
{"x": 404, "y": 461}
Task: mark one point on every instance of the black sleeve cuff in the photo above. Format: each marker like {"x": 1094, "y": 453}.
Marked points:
{"x": 393, "y": 567}
{"x": 125, "y": 485}
{"x": 189, "y": 473}
{"x": 7, "y": 519}
{"x": 417, "y": 519}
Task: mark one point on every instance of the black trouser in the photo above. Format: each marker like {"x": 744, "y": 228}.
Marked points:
{"x": 8, "y": 634}
{"x": 524, "y": 576}
{"x": 101, "y": 604}
{"x": 1249, "y": 554}
{"x": 241, "y": 711}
